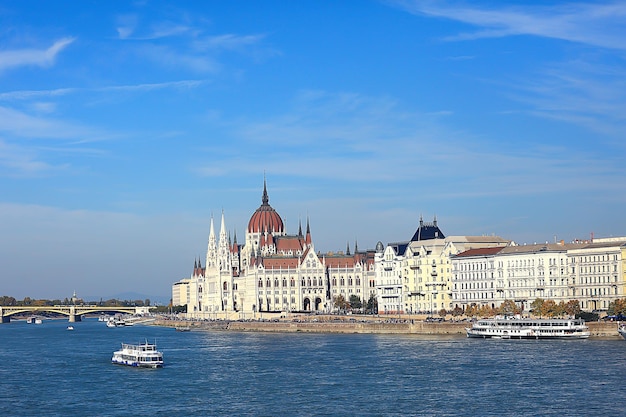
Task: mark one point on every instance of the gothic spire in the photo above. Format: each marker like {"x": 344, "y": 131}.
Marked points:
{"x": 308, "y": 232}
{"x": 265, "y": 199}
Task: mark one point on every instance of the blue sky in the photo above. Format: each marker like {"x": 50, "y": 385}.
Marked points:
{"x": 124, "y": 126}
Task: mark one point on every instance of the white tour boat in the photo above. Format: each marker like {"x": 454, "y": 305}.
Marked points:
{"x": 519, "y": 328}
{"x": 144, "y": 355}
{"x": 622, "y": 330}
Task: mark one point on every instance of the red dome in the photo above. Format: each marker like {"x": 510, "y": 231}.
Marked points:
{"x": 265, "y": 218}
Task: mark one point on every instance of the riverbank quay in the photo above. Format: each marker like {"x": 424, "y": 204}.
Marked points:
{"x": 604, "y": 330}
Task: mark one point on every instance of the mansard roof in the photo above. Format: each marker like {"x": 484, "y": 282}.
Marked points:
{"x": 427, "y": 231}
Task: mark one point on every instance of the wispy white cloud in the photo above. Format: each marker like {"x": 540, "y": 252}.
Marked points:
{"x": 597, "y": 24}
{"x": 587, "y": 94}
{"x": 36, "y": 57}
{"x": 35, "y": 94}
{"x": 21, "y": 161}
{"x": 228, "y": 41}
{"x": 365, "y": 141}
{"x": 20, "y": 124}
{"x": 175, "y": 58}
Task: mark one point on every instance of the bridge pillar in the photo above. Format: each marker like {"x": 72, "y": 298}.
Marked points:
{"x": 73, "y": 316}
{"x": 6, "y": 319}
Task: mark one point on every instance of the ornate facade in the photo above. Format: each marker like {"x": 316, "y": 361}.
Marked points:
{"x": 271, "y": 272}
{"x": 594, "y": 273}
{"x": 415, "y": 276}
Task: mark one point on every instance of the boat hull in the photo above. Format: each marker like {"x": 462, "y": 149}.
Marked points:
{"x": 622, "y": 332}
{"x": 528, "y": 337}
{"x": 136, "y": 364}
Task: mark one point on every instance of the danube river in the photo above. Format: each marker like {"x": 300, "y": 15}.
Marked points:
{"x": 46, "y": 370}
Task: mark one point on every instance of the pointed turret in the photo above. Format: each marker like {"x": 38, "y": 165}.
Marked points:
{"x": 235, "y": 247}
{"x": 308, "y": 232}
{"x": 348, "y": 248}
{"x": 265, "y": 199}
{"x": 211, "y": 253}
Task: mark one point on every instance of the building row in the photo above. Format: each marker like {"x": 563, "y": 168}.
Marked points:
{"x": 274, "y": 271}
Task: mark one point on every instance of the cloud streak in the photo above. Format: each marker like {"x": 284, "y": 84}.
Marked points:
{"x": 33, "y": 94}
{"x": 33, "y": 57}
{"x": 600, "y": 25}
{"x": 366, "y": 141}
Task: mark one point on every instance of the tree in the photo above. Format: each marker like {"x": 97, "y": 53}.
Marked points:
{"x": 508, "y": 308}
{"x": 549, "y": 308}
{"x": 471, "y": 310}
{"x": 485, "y": 311}
{"x": 443, "y": 312}
{"x": 457, "y": 311}
{"x": 537, "y": 306}
{"x": 617, "y": 307}
{"x": 355, "y": 302}
{"x": 572, "y": 308}
{"x": 7, "y": 301}
{"x": 340, "y": 302}
{"x": 372, "y": 305}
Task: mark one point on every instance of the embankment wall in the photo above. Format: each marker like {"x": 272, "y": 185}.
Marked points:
{"x": 597, "y": 329}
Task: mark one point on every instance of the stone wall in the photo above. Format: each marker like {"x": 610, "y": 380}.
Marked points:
{"x": 597, "y": 329}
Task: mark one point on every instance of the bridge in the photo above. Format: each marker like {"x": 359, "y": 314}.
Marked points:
{"x": 74, "y": 313}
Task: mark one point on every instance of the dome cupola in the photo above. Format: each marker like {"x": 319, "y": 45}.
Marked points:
{"x": 265, "y": 218}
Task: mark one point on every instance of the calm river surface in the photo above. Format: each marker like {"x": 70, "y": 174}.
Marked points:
{"x": 46, "y": 370}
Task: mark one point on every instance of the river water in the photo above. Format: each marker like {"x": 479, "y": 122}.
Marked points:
{"x": 46, "y": 370}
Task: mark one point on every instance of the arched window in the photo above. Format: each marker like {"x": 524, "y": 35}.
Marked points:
{"x": 260, "y": 283}
{"x": 269, "y": 283}
{"x": 226, "y": 286}
{"x": 275, "y": 282}
{"x": 293, "y": 282}
{"x": 334, "y": 281}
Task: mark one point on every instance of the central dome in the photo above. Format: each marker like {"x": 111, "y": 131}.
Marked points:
{"x": 265, "y": 218}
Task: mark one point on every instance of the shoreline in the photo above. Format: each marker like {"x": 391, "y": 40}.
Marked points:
{"x": 599, "y": 330}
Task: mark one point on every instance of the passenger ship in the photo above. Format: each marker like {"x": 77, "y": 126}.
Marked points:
{"x": 144, "y": 355}
{"x": 519, "y": 328}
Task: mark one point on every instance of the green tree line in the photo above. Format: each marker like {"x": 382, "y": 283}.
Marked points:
{"x": 27, "y": 301}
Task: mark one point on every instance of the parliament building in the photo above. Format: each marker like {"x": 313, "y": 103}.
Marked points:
{"x": 271, "y": 272}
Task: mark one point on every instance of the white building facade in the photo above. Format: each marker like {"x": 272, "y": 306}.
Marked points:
{"x": 271, "y": 272}
{"x": 590, "y": 272}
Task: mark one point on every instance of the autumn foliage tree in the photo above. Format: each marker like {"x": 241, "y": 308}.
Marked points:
{"x": 617, "y": 307}
{"x": 508, "y": 308}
